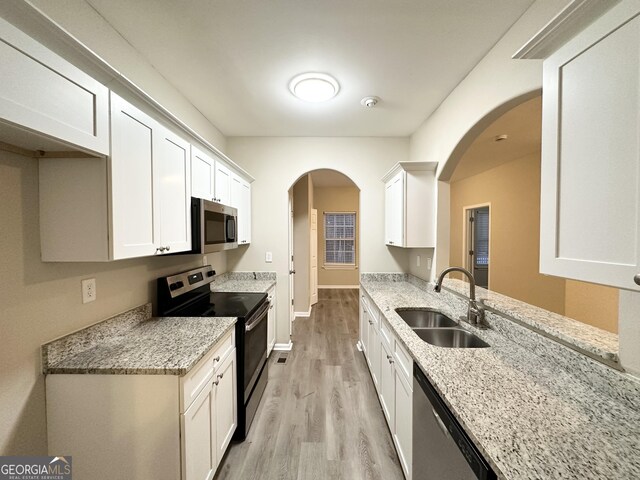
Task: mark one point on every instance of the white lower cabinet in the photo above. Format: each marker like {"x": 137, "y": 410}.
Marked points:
{"x": 390, "y": 367}
{"x": 271, "y": 320}
{"x": 163, "y": 427}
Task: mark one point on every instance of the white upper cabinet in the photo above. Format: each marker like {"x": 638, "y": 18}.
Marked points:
{"x": 203, "y": 172}
{"x": 241, "y": 200}
{"x": 136, "y": 203}
{"x": 590, "y": 201}
{"x": 43, "y": 93}
{"x": 410, "y": 205}
{"x": 211, "y": 178}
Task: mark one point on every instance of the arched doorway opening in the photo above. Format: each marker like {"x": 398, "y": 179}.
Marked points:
{"x": 324, "y": 218}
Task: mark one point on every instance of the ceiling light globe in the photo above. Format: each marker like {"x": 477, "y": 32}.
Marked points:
{"x": 314, "y": 87}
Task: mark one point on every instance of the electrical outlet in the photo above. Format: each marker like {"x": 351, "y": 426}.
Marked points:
{"x": 417, "y": 260}
{"x": 88, "y": 290}
{"x": 205, "y": 261}
{"x": 268, "y": 257}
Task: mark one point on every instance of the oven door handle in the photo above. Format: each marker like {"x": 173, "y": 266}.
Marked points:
{"x": 258, "y": 317}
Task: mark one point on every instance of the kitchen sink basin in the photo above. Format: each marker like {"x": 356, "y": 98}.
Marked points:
{"x": 450, "y": 337}
{"x": 425, "y": 318}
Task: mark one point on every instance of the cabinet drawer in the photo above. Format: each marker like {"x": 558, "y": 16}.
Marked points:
{"x": 403, "y": 359}
{"x": 193, "y": 382}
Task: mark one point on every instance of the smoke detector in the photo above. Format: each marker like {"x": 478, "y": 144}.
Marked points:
{"x": 369, "y": 102}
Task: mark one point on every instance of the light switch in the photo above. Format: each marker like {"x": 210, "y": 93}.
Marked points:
{"x": 428, "y": 264}
{"x": 417, "y": 260}
{"x": 268, "y": 257}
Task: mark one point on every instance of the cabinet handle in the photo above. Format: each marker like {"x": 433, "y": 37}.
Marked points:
{"x": 221, "y": 375}
{"x": 216, "y": 382}
{"x": 636, "y": 278}
{"x": 160, "y": 249}
{"x": 390, "y": 242}
{"x": 390, "y": 358}
{"x": 167, "y": 248}
{"x": 370, "y": 322}
{"x": 217, "y": 359}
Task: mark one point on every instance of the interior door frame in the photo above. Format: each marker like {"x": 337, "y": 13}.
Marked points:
{"x": 313, "y": 292}
{"x": 465, "y": 237}
{"x": 291, "y": 264}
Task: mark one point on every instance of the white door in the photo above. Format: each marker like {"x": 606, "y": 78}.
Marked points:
{"x": 202, "y": 175}
{"x": 223, "y": 183}
{"x": 590, "y": 207}
{"x": 199, "y": 431}
{"x": 133, "y": 198}
{"x": 226, "y": 412}
{"x": 313, "y": 255}
{"x": 174, "y": 189}
{"x": 291, "y": 264}
{"x": 271, "y": 321}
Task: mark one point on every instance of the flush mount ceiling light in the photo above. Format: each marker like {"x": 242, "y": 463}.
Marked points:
{"x": 314, "y": 87}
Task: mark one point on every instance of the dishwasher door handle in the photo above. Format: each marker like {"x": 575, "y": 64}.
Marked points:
{"x": 441, "y": 424}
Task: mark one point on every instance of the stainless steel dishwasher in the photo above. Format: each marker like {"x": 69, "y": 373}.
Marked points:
{"x": 441, "y": 449}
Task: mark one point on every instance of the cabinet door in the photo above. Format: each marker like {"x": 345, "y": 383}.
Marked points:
{"x": 271, "y": 321}
{"x": 42, "y": 92}
{"x": 387, "y": 385}
{"x": 394, "y": 210}
{"x": 223, "y": 183}
{"x": 202, "y": 175}
{"x": 364, "y": 328}
{"x": 403, "y": 430}
{"x": 241, "y": 199}
{"x": 246, "y": 209}
{"x": 133, "y": 198}
{"x": 590, "y": 207}
{"x": 374, "y": 354}
{"x": 174, "y": 189}
{"x": 226, "y": 412}
{"x": 199, "y": 434}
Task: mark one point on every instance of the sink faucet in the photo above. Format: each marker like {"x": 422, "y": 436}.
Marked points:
{"x": 475, "y": 312}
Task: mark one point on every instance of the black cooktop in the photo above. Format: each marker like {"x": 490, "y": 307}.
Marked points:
{"x": 219, "y": 304}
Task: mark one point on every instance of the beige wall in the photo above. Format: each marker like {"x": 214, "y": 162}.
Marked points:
{"x": 42, "y": 301}
{"x": 513, "y": 191}
{"x": 301, "y": 244}
{"x": 337, "y": 199}
{"x": 593, "y": 304}
{"x": 277, "y": 163}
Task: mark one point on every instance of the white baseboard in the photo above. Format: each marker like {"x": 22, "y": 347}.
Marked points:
{"x": 326, "y": 287}
{"x": 283, "y": 347}
{"x": 302, "y": 314}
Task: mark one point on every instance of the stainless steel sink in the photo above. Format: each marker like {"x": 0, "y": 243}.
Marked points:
{"x": 450, "y": 337}
{"x": 425, "y": 318}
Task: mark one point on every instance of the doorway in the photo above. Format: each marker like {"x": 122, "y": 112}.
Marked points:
{"x": 477, "y": 225}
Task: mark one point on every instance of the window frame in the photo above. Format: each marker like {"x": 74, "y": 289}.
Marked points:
{"x": 340, "y": 266}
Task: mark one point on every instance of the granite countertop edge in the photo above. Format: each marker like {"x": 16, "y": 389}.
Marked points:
{"x": 144, "y": 367}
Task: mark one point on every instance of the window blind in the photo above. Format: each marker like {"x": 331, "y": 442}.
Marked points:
{"x": 340, "y": 238}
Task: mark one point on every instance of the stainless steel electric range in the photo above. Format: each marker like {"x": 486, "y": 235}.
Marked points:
{"x": 188, "y": 294}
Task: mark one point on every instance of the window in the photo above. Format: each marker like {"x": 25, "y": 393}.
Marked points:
{"x": 339, "y": 238}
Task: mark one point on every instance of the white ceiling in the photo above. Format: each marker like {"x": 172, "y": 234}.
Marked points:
{"x": 233, "y": 59}
{"x": 523, "y": 126}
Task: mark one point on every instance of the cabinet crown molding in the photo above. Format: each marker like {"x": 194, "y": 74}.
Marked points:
{"x": 410, "y": 167}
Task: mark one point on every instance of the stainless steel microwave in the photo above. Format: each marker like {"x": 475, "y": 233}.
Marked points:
{"x": 213, "y": 227}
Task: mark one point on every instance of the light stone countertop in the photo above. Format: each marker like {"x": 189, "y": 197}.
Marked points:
{"x": 244, "y": 282}
{"x": 134, "y": 343}
{"x": 530, "y": 417}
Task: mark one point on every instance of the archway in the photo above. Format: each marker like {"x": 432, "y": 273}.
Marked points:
{"x": 324, "y": 216}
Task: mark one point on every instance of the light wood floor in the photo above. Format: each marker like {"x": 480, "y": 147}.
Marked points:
{"x": 319, "y": 417}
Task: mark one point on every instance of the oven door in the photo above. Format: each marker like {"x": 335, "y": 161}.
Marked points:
{"x": 217, "y": 227}
{"x": 255, "y": 348}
